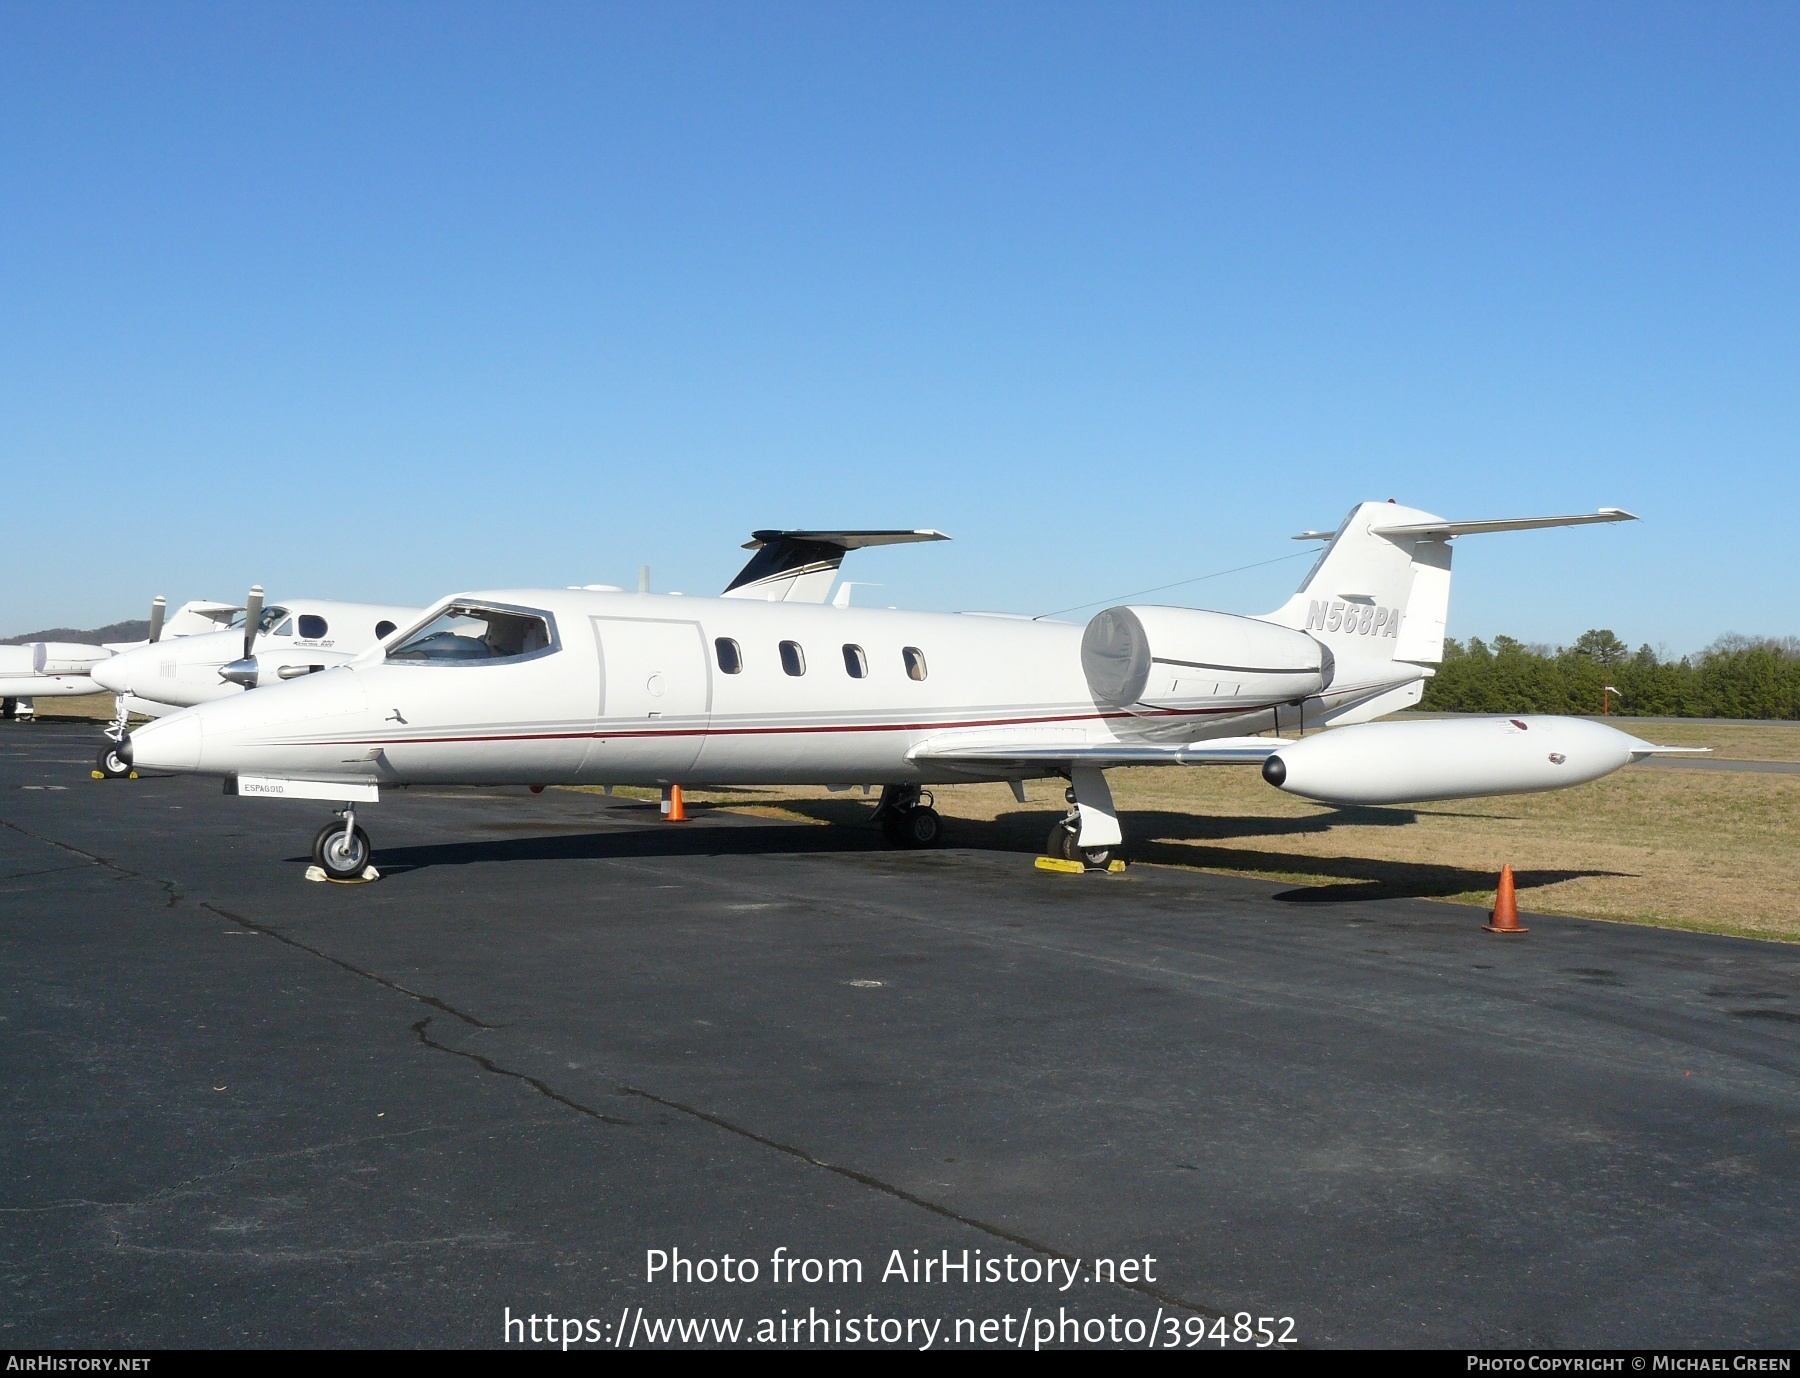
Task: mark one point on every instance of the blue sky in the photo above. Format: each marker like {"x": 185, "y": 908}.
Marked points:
{"x": 386, "y": 301}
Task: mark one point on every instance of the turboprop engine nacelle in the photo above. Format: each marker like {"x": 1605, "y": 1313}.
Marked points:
{"x": 1410, "y": 762}
{"x": 252, "y": 672}
{"x": 1145, "y": 659}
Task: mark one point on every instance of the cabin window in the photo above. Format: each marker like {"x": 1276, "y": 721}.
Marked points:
{"x": 312, "y": 627}
{"x": 793, "y": 659}
{"x": 383, "y": 629}
{"x": 915, "y": 662}
{"x": 731, "y": 655}
{"x": 856, "y": 664}
{"x": 478, "y": 634}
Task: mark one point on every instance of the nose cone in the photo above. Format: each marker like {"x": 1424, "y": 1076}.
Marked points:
{"x": 293, "y": 729}
{"x": 171, "y": 743}
{"x": 115, "y": 672}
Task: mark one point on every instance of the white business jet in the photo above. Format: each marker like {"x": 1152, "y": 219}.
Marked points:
{"x": 63, "y": 669}
{"x": 302, "y": 636}
{"x": 540, "y": 686}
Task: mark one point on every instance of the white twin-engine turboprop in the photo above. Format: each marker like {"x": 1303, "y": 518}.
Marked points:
{"x": 539, "y": 686}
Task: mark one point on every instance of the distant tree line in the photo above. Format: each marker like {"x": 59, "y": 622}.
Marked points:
{"x": 1735, "y": 677}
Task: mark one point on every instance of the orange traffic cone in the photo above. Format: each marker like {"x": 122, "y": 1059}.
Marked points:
{"x": 677, "y": 814}
{"x": 1505, "y": 918}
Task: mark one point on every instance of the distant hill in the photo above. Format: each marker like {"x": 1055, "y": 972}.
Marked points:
{"x": 99, "y": 636}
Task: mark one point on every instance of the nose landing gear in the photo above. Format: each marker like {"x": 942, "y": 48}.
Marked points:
{"x": 907, "y": 817}
{"x": 341, "y": 850}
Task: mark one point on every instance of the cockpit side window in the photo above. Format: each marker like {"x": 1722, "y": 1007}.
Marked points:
{"x": 285, "y": 629}
{"x": 270, "y": 617}
{"x": 313, "y": 627}
{"x": 478, "y": 634}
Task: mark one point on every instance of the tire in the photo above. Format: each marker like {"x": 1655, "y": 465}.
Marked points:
{"x": 1061, "y": 844}
{"x": 1095, "y": 858}
{"x": 924, "y": 828}
{"x": 337, "y": 861}
{"x": 109, "y": 764}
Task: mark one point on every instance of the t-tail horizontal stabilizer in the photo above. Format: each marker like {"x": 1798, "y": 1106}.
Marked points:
{"x": 799, "y": 566}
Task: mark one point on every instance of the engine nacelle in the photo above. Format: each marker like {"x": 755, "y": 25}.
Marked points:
{"x": 1411, "y": 762}
{"x": 1151, "y": 659}
{"x": 66, "y": 657}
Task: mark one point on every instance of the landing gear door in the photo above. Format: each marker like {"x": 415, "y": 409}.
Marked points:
{"x": 655, "y": 697}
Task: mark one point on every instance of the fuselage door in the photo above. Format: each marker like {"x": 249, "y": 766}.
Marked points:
{"x": 655, "y": 695}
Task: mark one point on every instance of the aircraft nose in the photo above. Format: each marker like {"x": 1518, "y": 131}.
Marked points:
{"x": 171, "y": 743}
{"x": 110, "y": 674}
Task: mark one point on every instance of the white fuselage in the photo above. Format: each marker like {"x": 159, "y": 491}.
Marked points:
{"x": 634, "y": 691}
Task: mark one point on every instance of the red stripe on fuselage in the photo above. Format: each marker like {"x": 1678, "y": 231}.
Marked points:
{"x": 1234, "y": 711}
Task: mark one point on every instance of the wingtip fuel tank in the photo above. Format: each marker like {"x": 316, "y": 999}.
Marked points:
{"x": 1412, "y": 762}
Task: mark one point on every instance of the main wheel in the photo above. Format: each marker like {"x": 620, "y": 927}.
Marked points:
{"x": 1096, "y": 858}
{"x": 109, "y": 764}
{"x": 923, "y": 828}
{"x": 338, "y": 857}
{"x": 1061, "y": 843}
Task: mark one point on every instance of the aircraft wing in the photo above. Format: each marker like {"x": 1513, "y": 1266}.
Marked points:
{"x": 799, "y": 566}
{"x": 988, "y": 755}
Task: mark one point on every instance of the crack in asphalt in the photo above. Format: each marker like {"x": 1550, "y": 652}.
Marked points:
{"x": 543, "y": 1088}
{"x": 437, "y": 1004}
{"x": 851, "y": 1174}
{"x": 167, "y": 886}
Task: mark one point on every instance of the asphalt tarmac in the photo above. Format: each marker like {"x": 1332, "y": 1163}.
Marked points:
{"x": 558, "y": 1034}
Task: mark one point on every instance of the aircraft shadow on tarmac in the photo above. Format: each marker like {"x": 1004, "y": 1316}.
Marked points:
{"x": 1166, "y": 838}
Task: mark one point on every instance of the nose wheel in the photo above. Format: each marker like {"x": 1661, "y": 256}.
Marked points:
{"x": 109, "y": 764}
{"x": 341, "y": 850}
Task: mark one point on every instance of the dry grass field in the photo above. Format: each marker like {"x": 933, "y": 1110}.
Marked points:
{"x": 1707, "y": 850}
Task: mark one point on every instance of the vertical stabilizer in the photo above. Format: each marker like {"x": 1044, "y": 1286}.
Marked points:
{"x": 1375, "y": 598}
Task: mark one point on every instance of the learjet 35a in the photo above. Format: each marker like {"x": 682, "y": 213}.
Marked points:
{"x": 578, "y": 686}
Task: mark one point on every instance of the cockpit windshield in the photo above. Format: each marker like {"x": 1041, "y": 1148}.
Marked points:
{"x": 471, "y": 634}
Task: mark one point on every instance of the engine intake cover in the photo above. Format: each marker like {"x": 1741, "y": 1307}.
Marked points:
{"x": 1153, "y": 659}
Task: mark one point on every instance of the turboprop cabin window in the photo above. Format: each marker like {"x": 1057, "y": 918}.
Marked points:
{"x": 383, "y": 628}
{"x": 470, "y": 634}
{"x": 915, "y": 662}
{"x": 793, "y": 659}
{"x": 731, "y": 655}
{"x": 312, "y": 627}
{"x": 856, "y": 664}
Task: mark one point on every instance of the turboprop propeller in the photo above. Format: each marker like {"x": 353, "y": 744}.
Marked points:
{"x": 253, "y": 610}
{"x": 158, "y": 607}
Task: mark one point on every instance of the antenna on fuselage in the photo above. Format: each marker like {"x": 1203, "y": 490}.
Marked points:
{"x": 643, "y": 578}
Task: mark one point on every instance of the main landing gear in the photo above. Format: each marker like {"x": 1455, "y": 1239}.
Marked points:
{"x": 907, "y": 818}
{"x": 341, "y": 850}
{"x": 1090, "y": 834}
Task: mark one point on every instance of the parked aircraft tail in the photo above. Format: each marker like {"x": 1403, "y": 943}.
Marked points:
{"x": 1379, "y": 595}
